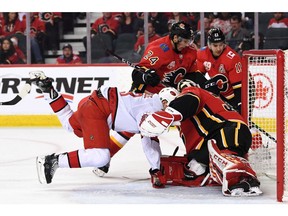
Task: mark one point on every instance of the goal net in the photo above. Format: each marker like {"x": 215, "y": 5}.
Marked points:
{"x": 264, "y": 105}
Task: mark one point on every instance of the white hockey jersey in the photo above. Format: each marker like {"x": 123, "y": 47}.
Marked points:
{"x": 129, "y": 108}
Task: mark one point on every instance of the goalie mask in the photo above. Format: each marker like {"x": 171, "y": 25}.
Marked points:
{"x": 168, "y": 94}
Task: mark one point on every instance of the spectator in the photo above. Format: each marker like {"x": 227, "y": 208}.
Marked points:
{"x": 235, "y": 36}
{"x": 107, "y": 24}
{"x": 177, "y": 16}
{"x": 18, "y": 50}
{"x": 248, "y": 43}
{"x": 68, "y": 57}
{"x": 222, "y": 21}
{"x": 139, "y": 45}
{"x": 194, "y": 19}
{"x": 128, "y": 23}
{"x": 159, "y": 21}
{"x": 10, "y": 25}
{"x": 51, "y": 20}
{"x": 8, "y": 54}
{"x": 279, "y": 21}
{"x": 207, "y": 22}
{"x": 38, "y": 35}
{"x": 140, "y": 29}
{"x": 169, "y": 26}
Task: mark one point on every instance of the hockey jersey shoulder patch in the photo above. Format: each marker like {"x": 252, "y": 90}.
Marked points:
{"x": 164, "y": 47}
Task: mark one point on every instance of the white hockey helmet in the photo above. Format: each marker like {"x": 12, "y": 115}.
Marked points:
{"x": 168, "y": 94}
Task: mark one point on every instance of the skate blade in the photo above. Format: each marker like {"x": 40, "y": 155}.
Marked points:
{"x": 98, "y": 172}
{"x": 40, "y": 169}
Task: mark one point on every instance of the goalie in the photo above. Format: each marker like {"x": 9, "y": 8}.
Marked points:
{"x": 216, "y": 140}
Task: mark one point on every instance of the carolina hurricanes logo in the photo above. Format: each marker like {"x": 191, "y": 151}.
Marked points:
{"x": 172, "y": 78}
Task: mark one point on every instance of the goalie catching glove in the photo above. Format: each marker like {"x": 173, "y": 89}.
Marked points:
{"x": 155, "y": 124}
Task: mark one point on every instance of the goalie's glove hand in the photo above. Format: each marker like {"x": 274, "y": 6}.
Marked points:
{"x": 158, "y": 179}
{"x": 150, "y": 77}
{"x": 217, "y": 84}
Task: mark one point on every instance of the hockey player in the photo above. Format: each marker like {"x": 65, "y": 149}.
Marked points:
{"x": 223, "y": 67}
{"x": 164, "y": 63}
{"x": 105, "y": 109}
{"x": 215, "y": 136}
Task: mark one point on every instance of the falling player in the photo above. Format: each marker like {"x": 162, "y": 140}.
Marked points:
{"x": 105, "y": 109}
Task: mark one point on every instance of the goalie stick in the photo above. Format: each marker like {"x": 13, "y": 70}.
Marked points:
{"x": 23, "y": 92}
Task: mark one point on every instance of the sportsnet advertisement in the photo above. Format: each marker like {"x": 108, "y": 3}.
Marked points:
{"x": 73, "y": 83}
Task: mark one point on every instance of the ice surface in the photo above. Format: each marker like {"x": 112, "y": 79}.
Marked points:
{"x": 126, "y": 183}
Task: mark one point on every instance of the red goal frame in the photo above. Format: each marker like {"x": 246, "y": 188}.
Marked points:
{"x": 280, "y": 112}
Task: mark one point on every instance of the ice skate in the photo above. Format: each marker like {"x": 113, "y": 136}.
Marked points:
{"x": 46, "y": 168}
{"x": 101, "y": 171}
{"x": 248, "y": 186}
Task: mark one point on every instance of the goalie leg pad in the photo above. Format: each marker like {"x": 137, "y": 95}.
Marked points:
{"x": 233, "y": 172}
{"x": 155, "y": 124}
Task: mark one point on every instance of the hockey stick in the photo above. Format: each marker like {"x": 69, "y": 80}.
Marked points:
{"x": 24, "y": 91}
{"x": 125, "y": 61}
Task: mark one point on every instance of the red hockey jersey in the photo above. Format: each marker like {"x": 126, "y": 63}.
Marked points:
{"x": 229, "y": 64}
{"x": 169, "y": 65}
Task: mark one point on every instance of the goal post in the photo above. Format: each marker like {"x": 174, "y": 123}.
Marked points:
{"x": 264, "y": 106}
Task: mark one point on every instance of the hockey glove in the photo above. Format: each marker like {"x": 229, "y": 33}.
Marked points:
{"x": 39, "y": 79}
{"x": 158, "y": 179}
{"x": 150, "y": 77}
{"x": 217, "y": 84}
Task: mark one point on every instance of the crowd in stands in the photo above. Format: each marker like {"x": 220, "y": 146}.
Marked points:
{"x": 122, "y": 33}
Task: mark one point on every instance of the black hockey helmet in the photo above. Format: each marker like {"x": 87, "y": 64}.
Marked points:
{"x": 215, "y": 35}
{"x": 182, "y": 30}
